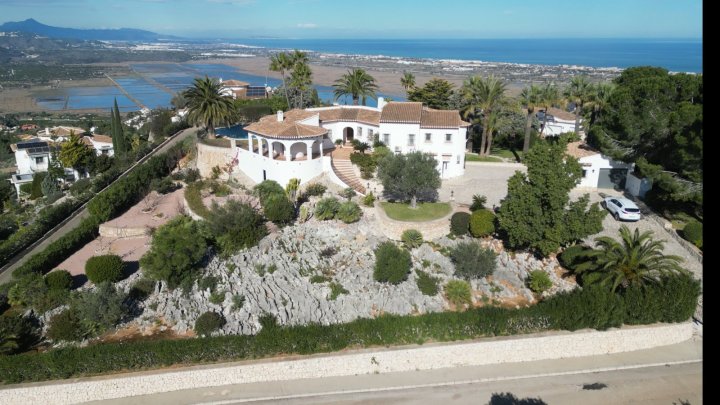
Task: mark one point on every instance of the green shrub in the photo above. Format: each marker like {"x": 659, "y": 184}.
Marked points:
{"x": 65, "y": 326}
{"x": 101, "y": 309}
{"x": 349, "y": 212}
{"x": 217, "y": 298}
{"x": 478, "y": 202}
{"x": 458, "y": 293}
{"x": 59, "y": 280}
{"x": 327, "y": 208}
{"x": 80, "y": 187}
{"x": 267, "y": 188}
{"x": 427, "y": 284}
{"x": 335, "y": 290}
{"x": 17, "y": 334}
{"x": 31, "y": 291}
{"x": 392, "y": 264}
{"x": 693, "y": 232}
{"x": 238, "y": 302}
{"x": 672, "y": 300}
{"x": 208, "y": 323}
{"x": 219, "y": 189}
{"x": 141, "y": 289}
{"x": 459, "y": 223}
{"x": 482, "y": 223}
{"x": 348, "y": 193}
{"x": 235, "y": 226}
{"x": 411, "y": 238}
{"x": 570, "y": 257}
{"x": 539, "y": 281}
{"x": 319, "y": 279}
{"x": 278, "y": 208}
{"x": 193, "y": 196}
{"x": 315, "y": 189}
{"x": 163, "y": 186}
{"x": 36, "y": 185}
{"x": 208, "y": 283}
{"x": 473, "y": 261}
{"x": 104, "y": 268}
{"x": 369, "y": 200}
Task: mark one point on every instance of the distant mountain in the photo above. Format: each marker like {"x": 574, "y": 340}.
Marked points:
{"x": 121, "y": 34}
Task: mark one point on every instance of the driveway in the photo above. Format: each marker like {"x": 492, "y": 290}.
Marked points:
{"x": 488, "y": 179}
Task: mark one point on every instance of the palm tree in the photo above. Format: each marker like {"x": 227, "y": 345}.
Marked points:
{"x": 207, "y": 107}
{"x": 282, "y": 62}
{"x": 486, "y": 95}
{"x": 531, "y": 98}
{"x": 578, "y": 92}
{"x": 301, "y": 79}
{"x": 634, "y": 260}
{"x": 549, "y": 96}
{"x": 357, "y": 83}
{"x": 599, "y": 99}
{"x": 408, "y": 81}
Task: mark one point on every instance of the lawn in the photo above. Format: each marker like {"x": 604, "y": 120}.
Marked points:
{"x": 423, "y": 212}
{"x": 505, "y": 153}
{"x": 472, "y": 157}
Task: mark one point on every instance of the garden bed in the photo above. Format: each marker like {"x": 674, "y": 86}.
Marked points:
{"x": 423, "y": 212}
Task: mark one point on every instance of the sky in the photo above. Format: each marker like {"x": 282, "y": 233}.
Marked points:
{"x": 373, "y": 18}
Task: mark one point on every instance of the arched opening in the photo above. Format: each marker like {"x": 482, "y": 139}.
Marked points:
{"x": 298, "y": 151}
{"x": 348, "y": 134}
{"x": 278, "y": 150}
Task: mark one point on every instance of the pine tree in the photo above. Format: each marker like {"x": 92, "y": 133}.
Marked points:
{"x": 120, "y": 145}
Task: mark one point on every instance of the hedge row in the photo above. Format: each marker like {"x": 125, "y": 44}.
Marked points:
{"x": 672, "y": 300}
{"x": 193, "y": 196}
{"x": 26, "y": 236}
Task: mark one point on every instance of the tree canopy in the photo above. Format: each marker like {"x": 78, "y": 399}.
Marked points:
{"x": 207, "y": 106}
{"x": 409, "y": 177}
{"x": 356, "y": 83}
{"x": 74, "y": 152}
{"x": 436, "y": 93}
{"x": 537, "y": 213}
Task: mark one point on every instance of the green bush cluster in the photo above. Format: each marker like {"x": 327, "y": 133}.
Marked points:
{"x": 427, "y": 284}
{"x": 164, "y": 185}
{"x": 235, "y": 226}
{"x": 208, "y": 323}
{"x": 59, "y": 280}
{"x": 459, "y": 223}
{"x": 276, "y": 206}
{"x": 17, "y": 334}
{"x": 693, "y": 232}
{"x": 482, "y": 223}
{"x": 672, "y": 300}
{"x": 80, "y": 187}
{"x": 65, "y": 327}
{"x": 570, "y": 257}
{"x": 539, "y": 281}
{"x": 365, "y": 162}
{"x": 315, "y": 189}
{"x": 193, "y": 196}
{"x": 411, "y": 238}
{"x": 392, "y": 264}
{"x": 478, "y": 202}
{"x": 369, "y": 199}
{"x": 326, "y": 208}
{"x": 473, "y": 261}
{"x": 458, "y": 293}
{"x": 349, "y": 212}
{"x": 141, "y": 289}
{"x": 336, "y": 289}
{"x": 104, "y": 268}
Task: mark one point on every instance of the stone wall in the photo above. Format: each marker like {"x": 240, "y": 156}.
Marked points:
{"x": 555, "y": 345}
{"x": 211, "y": 156}
{"x": 430, "y": 230}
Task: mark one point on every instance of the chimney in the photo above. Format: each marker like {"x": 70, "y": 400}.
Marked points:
{"x": 47, "y": 131}
{"x": 280, "y": 116}
{"x": 381, "y": 103}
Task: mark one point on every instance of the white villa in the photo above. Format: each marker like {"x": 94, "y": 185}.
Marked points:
{"x": 59, "y": 134}
{"x": 102, "y": 144}
{"x": 599, "y": 171}
{"x": 294, "y": 144}
{"x": 243, "y": 90}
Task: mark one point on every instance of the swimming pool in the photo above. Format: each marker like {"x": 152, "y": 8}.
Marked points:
{"x": 235, "y": 131}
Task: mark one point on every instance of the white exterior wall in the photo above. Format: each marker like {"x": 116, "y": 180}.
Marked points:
{"x": 593, "y": 164}
{"x": 253, "y": 164}
{"x": 558, "y": 127}
{"x": 637, "y": 186}
{"x": 26, "y": 163}
{"x": 100, "y": 146}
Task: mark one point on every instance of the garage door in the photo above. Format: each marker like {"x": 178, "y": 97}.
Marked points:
{"x": 612, "y": 178}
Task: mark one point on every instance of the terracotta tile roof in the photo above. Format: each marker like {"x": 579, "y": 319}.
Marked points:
{"x": 235, "y": 83}
{"x": 350, "y": 114}
{"x": 579, "y": 150}
{"x": 562, "y": 114}
{"x": 402, "y": 112}
{"x": 296, "y": 115}
{"x": 289, "y": 130}
{"x": 101, "y": 138}
{"x": 441, "y": 119}
{"x": 87, "y": 141}
{"x": 65, "y": 131}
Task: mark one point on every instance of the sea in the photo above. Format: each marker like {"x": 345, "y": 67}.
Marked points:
{"x": 153, "y": 84}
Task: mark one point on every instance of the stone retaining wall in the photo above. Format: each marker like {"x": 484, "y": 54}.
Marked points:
{"x": 211, "y": 156}
{"x": 542, "y": 346}
{"x": 122, "y": 232}
{"x": 430, "y": 230}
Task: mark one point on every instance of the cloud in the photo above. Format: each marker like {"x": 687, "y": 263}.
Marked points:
{"x": 307, "y": 25}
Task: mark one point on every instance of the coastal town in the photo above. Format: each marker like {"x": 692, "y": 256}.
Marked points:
{"x": 300, "y": 215}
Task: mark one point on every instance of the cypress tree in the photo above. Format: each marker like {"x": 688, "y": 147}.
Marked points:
{"x": 119, "y": 143}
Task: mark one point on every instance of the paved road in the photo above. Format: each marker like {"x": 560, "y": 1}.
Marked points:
{"x": 662, "y": 375}
{"x": 6, "y": 274}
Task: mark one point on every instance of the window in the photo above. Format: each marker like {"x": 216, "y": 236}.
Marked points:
{"x": 39, "y": 160}
{"x": 386, "y": 139}
{"x": 584, "y": 173}
{"x": 359, "y": 131}
{"x": 458, "y": 159}
{"x": 329, "y": 134}
{"x": 397, "y": 150}
{"x": 104, "y": 152}
{"x": 448, "y": 137}
{"x": 370, "y": 134}
{"x": 428, "y": 137}
{"x": 411, "y": 139}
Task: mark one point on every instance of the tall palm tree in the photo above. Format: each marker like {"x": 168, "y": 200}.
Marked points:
{"x": 407, "y": 81}
{"x": 578, "y": 92}
{"x": 549, "y": 96}
{"x": 599, "y": 99}
{"x": 282, "y": 62}
{"x": 357, "y": 83}
{"x": 531, "y": 97}
{"x": 207, "y": 107}
{"x": 301, "y": 79}
{"x": 634, "y": 260}
{"x": 484, "y": 94}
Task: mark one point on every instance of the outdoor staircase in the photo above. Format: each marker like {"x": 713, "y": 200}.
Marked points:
{"x": 343, "y": 168}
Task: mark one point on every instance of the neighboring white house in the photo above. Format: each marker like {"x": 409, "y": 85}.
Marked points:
{"x": 31, "y": 156}
{"x": 59, "y": 133}
{"x": 102, "y": 144}
{"x": 242, "y": 90}
{"x": 558, "y": 122}
{"x": 599, "y": 171}
{"x": 293, "y": 144}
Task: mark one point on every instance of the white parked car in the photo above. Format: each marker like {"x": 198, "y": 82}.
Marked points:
{"x": 622, "y": 208}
